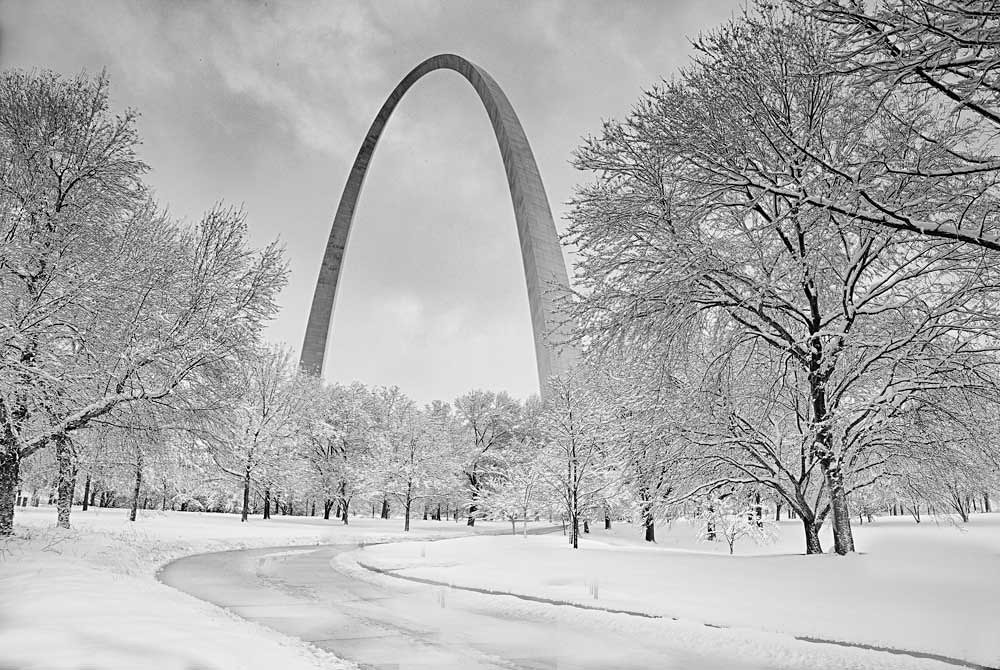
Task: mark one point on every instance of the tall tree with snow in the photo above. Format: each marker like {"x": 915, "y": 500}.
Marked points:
{"x": 702, "y": 218}
{"x": 104, "y": 300}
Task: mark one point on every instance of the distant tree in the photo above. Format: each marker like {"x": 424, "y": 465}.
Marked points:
{"x": 732, "y": 515}
{"x": 419, "y": 462}
{"x": 334, "y": 435}
{"x": 520, "y": 491}
{"x": 576, "y": 431}
{"x": 952, "y": 461}
{"x": 252, "y": 425}
{"x": 489, "y": 420}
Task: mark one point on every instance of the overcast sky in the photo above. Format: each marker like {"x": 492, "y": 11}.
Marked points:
{"x": 265, "y": 105}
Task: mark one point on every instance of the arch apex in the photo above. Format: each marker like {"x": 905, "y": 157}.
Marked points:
{"x": 541, "y": 254}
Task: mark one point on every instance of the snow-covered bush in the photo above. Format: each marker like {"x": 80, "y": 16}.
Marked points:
{"x": 733, "y": 516}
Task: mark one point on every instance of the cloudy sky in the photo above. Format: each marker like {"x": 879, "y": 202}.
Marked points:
{"x": 265, "y": 104}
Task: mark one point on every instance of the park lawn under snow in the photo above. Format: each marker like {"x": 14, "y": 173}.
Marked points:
{"x": 930, "y": 588}
{"x": 87, "y": 597}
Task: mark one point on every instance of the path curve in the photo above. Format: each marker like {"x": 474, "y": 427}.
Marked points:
{"x": 306, "y": 592}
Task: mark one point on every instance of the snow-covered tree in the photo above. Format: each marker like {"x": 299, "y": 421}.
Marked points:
{"x": 577, "y": 433}
{"x": 708, "y": 220}
{"x": 104, "y": 301}
{"x": 520, "y": 492}
{"x": 334, "y": 433}
{"x": 927, "y": 70}
{"x": 249, "y": 432}
{"x": 733, "y": 516}
{"x": 488, "y": 419}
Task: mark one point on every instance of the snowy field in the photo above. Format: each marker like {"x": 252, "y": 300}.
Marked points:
{"x": 88, "y": 598}
{"x": 931, "y": 588}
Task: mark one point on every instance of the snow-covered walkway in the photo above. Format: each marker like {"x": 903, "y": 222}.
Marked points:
{"x": 322, "y": 596}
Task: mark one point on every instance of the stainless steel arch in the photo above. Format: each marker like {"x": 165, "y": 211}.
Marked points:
{"x": 544, "y": 267}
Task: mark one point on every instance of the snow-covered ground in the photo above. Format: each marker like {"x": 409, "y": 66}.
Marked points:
{"x": 88, "y": 598}
{"x": 930, "y": 588}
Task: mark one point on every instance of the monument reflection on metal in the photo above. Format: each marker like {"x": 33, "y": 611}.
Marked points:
{"x": 544, "y": 267}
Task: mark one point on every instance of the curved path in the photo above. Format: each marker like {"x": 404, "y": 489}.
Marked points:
{"x": 301, "y": 591}
{"x": 541, "y": 253}
{"x": 298, "y": 592}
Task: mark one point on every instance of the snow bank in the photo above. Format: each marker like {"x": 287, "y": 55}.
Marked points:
{"x": 73, "y": 600}
{"x": 929, "y": 588}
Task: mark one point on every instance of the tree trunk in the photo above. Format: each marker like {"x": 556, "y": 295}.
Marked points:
{"x": 843, "y": 538}
{"x": 246, "y": 496}
{"x": 409, "y": 490}
{"x": 267, "y": 502}
{"x": 648, "y": 522}
{"x": 385, "y": 508}
{"x": 312, "y": 511}
{"x": 437, "y": 515}
{"x": 823, "y": 448}
{"x": 327, "y": 507}
{"x": 9, "y": 466}
{"x": 811, "y": 529}
{"x": 163, "y": 503}
{"x": 86, "y": 491}
{"x": 344, "y": 502}
{"x": 93, "y": 496}
{"x": 963, "y": 511}
{"x": 607, "y": 519}
{"x": 67, "y": 480}
{"x": 135, "y": 489}
{"x": 986, "y": 502}
{"x": 777, "y": 511}
{"x": 758, "y": 510}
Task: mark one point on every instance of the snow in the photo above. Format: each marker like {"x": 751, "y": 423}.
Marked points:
{"x": 87, "y": 597}
{"x": 624, "y": 641}
{"x": 929, "y": 588}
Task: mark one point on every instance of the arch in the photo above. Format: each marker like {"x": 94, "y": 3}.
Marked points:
{"x": 544, "y": 267}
